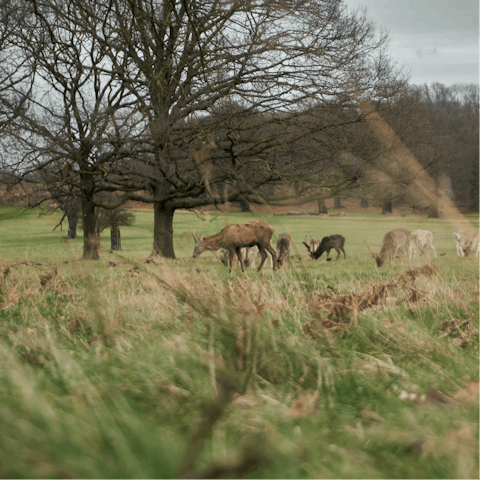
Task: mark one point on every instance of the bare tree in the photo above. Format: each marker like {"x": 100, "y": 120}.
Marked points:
{"x": 226, "y": 89}
{"x": 113, "y": 218}
{"x": 16, "y": 70}
{"x": 453, "y": 114}
{"x": 184, "y": 103}
{"x": 66, "y": 140}
{"x": 386, "y": 180}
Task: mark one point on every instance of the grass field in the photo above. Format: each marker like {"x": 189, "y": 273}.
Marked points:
{"x": 179, "y": 369}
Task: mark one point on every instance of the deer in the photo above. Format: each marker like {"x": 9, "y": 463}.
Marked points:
{"x": 465, "y": 243}
{"x": 332, "y": 241}
{"x": 396, "y": 243}
{"x": 236, "y": 236}
{"x": 420, "y": 241}
{"x": 311, "y": 244}
{"x": 284, "y": 244}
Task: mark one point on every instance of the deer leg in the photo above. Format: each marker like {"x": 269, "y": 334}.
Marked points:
{"x": 271, "y": 251}
{"x": 344, "y": 254}
{"x": 408, "y": 261}
{"x": 338, "y": 252}
{"x": 231, "y": 251}
{"x": 263, "y": 257}
{"x": 238, "y": 251}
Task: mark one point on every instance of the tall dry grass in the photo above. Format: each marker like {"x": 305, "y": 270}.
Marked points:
{"x": 177, "y": 369}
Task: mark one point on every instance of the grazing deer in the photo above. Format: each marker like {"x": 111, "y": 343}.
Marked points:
{"x": 284, "y": 244}
{"x": 465, "y": 243}
{"x": 311, "y": 244}
{"x": 419, "y": 242}
{"x": 235, "y": 237}
{"x": 395, "y": 244}
{"x": 332, "y": 241}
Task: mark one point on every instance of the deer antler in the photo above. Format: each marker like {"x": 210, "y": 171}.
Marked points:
{"x": 308, "y": 247}
{"x": 366, "y": 244}
{"x": 194, "y": 236}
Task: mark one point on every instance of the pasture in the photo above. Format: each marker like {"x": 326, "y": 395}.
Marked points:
{"x": 175, "y": 368}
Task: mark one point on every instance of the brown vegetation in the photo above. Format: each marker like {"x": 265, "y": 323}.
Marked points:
{"x": 341, "y": 307}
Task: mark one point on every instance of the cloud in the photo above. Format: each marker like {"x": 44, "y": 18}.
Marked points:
{"x": 422, "y": 52}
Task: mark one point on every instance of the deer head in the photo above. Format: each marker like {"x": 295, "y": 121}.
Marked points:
{"x": 377, "y": 257}
{"x": 200, "y": 245}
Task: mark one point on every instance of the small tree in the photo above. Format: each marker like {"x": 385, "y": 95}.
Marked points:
{"x": 113, "y": 218}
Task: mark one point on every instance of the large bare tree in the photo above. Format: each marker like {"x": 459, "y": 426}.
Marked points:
{"x": 184, "y": 103}
{"x": 226, "y": 88}
{"x": 67, "y": 136}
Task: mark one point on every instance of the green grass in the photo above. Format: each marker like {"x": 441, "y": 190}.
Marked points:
{"x": 29, "y": 234}
{"x": 181, "y": 369}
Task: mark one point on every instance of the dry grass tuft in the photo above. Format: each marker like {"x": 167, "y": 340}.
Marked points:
{"x": 340, "y": 307}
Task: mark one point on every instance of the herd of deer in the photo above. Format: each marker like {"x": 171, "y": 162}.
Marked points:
{"x": 247, "y": 240}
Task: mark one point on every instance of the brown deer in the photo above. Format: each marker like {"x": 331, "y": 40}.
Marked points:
{"x": 284, "y": 244}
{"x": 235, "y": 237}
{"x": 396, "y": 243}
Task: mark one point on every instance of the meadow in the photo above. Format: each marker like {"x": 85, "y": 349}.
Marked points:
{"x": 141, "y": 367}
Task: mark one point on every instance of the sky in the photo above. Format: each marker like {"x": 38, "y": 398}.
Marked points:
{"x": 436, "y": 40}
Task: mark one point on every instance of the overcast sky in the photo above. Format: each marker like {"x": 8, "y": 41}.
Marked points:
{"x": 437, "y": 40}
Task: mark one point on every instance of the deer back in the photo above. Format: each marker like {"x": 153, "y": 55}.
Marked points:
{"x": 395, "y": 240}
{"x": 247, "y": 234}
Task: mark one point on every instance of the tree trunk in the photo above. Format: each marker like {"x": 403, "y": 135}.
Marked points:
{"x": 322, "y": 207}
{"x": 91, "y": 241}
{"x": 163, "y": 230}
{"x": 363, "y": 203}
{"x": 387, "y": 204}
{"x": 337, "y": 202}
{"x": 72, "y": 218}
{"x": 433, "y": 211}
{"x": 115, "y": 242}
{"x": 245, "y": 207}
